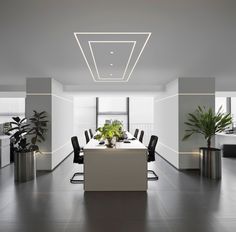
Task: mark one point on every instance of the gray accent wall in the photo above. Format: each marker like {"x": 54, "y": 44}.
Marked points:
{"x": 171, "y": 107}
{"x": 46, "y": 94}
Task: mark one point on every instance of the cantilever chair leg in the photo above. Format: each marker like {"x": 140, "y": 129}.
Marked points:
{"x": 155, "y": 176}
{"x": 77, "y": 181}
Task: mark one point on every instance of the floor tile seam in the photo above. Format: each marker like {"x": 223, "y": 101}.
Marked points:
{"x": 163, "y": 175}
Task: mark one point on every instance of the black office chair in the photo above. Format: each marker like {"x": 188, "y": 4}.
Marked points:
{"x": 86, "y": 136}
{"x": 78, "y": 158}
{"x": 151, "y": 155}
{"x": 136, "y": 133}
{"x": 141, "y": 136}
{"x": 91, "y": 133}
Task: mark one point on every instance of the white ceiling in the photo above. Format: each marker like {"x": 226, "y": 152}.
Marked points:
{"x": 190, "y": 38}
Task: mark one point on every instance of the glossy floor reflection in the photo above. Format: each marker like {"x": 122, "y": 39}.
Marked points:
{"x": 178, "y": 201}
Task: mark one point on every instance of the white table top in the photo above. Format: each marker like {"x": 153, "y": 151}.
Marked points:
{"x": 134, "y": 144}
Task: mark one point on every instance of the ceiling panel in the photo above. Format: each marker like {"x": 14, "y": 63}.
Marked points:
{"x": 111, "y": 56}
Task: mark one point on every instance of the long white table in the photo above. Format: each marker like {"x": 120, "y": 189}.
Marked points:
{"x": 122, "y": 168}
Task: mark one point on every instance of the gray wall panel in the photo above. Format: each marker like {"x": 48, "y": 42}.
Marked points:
{"x": 39, "y": 85}
{"x": 196, "y": 85}
{"x": 60, "y": 115}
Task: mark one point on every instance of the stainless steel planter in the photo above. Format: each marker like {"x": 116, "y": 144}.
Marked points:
{"x": 24, "y": 166}
{"x": 210, "y": 162}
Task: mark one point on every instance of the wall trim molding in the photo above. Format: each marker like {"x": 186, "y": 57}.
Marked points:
{"x": 165, "y": 98}
{"x": 179, "y": 152}
{"x": 183, "y": 94}
{"x": 59, "y": 148}
{"x": 164, "y": 145}
{"x": 49, "y": 94}
{"x": 196, "y": 94}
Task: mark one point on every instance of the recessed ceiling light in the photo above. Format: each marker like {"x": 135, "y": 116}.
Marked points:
{"x": 111, "y": 52}
{"x": 111, "y": 64}
{"x": 110, "y": 74}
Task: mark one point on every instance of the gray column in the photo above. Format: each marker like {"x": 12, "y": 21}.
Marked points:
{"x": 171, "y": 107}
{"x": 193, "y": 92}
{"x": 46, "y": 94}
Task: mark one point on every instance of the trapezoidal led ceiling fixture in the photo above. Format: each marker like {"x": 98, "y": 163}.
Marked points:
{"x": 111, "y": 56}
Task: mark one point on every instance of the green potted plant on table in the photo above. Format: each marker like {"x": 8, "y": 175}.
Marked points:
{"x": 24, "y": 151}
{"x": 207, "y": 123}
{"x": 109, "y": 133}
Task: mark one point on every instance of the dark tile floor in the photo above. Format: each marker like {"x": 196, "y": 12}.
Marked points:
{"x": 178, "y": 201}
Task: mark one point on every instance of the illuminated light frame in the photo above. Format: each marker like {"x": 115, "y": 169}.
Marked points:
{"x": 112, "y": 33}
{"x": 111, "y": 41}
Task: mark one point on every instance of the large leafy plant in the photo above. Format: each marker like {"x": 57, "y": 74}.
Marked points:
{"x": 20, "y": 129}
{"x": 33, "y": 131}
{"x": 207, "y": 123}
{"x": 38, "y": 129}
{"x": 109, "y": 131}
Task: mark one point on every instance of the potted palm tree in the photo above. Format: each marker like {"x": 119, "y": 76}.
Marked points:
{"x": 207, "y": 123}
{"x": 109, "y": 133}
{"x": 24, "y": 151}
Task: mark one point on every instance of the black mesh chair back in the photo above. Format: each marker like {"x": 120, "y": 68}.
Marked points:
{"x": 136, "y": 133}
{"x": 77, "y": 157}
{"x": 86, "y": 136}
{"x": 141, "y": 136}
{"x": 151, "y": 156}
{"x": 151, "y": 148}
{"x": 91, "y": 133}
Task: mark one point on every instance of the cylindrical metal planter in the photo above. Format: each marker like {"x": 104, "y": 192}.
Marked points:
{"x": 24, "y": 166}
{"x": 210, "y": 162}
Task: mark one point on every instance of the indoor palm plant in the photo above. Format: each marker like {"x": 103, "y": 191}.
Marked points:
{"x": 109, "y": 133}
{"x": 23, "y": 131}
{"x": 207, "y": 123}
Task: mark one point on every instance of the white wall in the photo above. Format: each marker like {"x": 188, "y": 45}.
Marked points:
{"x": 166, "y": 123}
{"x": 84, "y": 116}
{"x": 141, "y": 115}
{"x": 62, "y": 123}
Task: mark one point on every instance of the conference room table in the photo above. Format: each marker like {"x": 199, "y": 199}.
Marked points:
{"x": 121, "y": 168}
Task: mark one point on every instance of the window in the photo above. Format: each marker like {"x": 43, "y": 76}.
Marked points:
{"x": 10, "y": 107}
{"x": 221, "y": 102}
{"x": 112, "y": 108}
{"x": 233, "y": 110}
{"x": 228, "y": 106}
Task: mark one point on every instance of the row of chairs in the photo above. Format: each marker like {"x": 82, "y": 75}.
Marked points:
{"x": 86, "y": 134}
{"x": 89, "y": 135}
{"x": 79, "y": 159}
{"x": 140, "y": 136}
